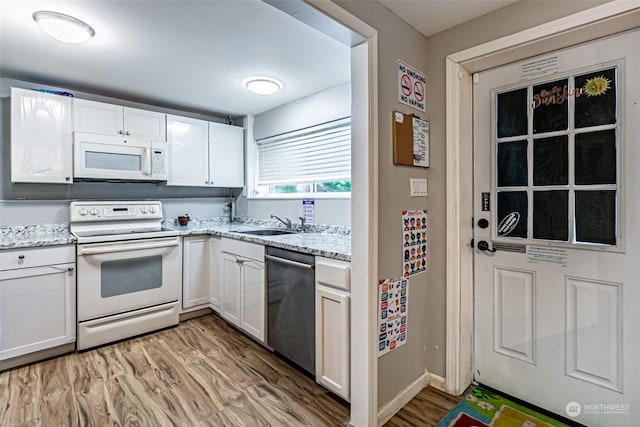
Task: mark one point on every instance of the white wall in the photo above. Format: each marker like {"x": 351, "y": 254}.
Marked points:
{"x": 331, "y": 104}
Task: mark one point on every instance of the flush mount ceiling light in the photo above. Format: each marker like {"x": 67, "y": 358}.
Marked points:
{"x": 262, "y": 85}
{"x": 63, "y": 27}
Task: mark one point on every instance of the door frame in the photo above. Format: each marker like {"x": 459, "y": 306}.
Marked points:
{"x": 600, "y": 21}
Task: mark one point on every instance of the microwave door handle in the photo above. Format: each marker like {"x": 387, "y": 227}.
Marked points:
{"x": 147, "y": 161}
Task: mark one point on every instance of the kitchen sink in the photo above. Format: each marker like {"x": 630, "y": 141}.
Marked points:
{"x": 268, "y": 232}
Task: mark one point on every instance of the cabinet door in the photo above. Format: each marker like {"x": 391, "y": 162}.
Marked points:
{"x": 231, "y": 288}
{"x": 188, "y": 151}
{"x": 195, "y": 271}
{"x": 145, "y": 124}
{"x": 41, "y": 138}
{"x": 253, "y": 298}
{"x": 215, "y": 273}
{"x": 97, "y": 117}
{"x": 37, "y": 309}
{"x": 226, "y": 155}
{"x": 332, "y": 340}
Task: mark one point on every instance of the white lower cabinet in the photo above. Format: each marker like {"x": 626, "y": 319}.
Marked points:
{"x": 37, "y": 300}
{"x": 196, "y": 272}
{"x": 243, "y": 295}
{"x": 333, "y": 325}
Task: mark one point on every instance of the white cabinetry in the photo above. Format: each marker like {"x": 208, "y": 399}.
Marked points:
{"x": 226, "y": 155}
{"x": 204, "y": 154}
{"x": 215, "y": 274}
{"x": 37, "y": 300}
{"x": 196, "y": 272}
{"x": 243, "y": 300}
{"x": 188, "y": 151}
{"x": 110, "y": 119}
{"x": 41, "y": 138}
{"x": 333, "y": 325}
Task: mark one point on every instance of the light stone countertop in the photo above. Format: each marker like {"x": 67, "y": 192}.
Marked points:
{"x": 327, "y": 241}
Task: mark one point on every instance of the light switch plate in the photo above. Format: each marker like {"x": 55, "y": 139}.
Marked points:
{"x": 418, "y": 187}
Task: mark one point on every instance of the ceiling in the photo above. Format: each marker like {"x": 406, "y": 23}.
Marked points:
{"x": 432, "y": 16}
{"x": 185, "y": 54}
{"x": 193, "y": 54}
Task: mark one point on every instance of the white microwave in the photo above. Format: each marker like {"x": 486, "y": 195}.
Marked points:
{"x": 118, "y": 158}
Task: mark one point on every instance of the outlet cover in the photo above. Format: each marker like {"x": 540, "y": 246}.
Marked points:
{"x": 418, "y": 187}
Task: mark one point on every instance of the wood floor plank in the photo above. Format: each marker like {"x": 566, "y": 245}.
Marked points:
{"x": 202, "y": 372}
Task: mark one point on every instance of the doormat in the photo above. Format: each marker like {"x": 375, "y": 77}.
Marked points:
{"x": 482, "y": 407}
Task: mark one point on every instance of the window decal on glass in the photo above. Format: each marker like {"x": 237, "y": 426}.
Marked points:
{"x": 550, "y": 112}
{"x": 512, "y": 164}
{"x": 596, "y": 104}
{"x": 512, "y": 113}
{"x": 596, "y": 217}
{"x": 596, "y": 157}
{"x": 551, "y": 161}
{"x": 512, "y": 214}
{"x": 551, "y": 215}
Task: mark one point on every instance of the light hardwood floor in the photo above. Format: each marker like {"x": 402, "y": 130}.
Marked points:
{"x": 202, "y": 372}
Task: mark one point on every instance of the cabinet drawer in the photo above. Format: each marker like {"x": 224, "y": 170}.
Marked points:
{"x": 334, "y": 273}
{"x": 243, "y": 249}
{"x": 34, "y": 257}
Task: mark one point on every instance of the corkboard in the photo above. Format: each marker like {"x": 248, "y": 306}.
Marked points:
{"x": 410, "y": 140}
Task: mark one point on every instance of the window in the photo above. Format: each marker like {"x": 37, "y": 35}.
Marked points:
{"x": 315, "y": 162}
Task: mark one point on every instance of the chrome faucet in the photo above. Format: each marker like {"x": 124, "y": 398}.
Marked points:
{"x": 302, "y": 223}
{"x": 286, "y": 221}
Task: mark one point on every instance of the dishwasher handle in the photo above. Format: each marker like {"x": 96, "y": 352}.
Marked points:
{"x": 289, "y": 262}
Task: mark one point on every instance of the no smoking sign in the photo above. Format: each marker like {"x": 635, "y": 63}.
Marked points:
{"x": 411, "y": 86}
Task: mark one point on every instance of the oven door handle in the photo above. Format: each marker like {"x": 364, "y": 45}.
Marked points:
{"x": 289, "y": 262}
{"x": 126, "y": 247}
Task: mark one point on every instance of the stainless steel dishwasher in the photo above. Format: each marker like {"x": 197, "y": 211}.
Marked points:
{"x": 291, "y": 309}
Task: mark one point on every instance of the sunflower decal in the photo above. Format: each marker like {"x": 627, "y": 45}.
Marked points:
{"x": 597, "y": 86}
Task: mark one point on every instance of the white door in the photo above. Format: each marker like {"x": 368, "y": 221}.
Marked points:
{"x": 226, "y": 155}
{"x": 253, "y": 298}
{"x": 188, "y": 151}
{"x": 145, "y": 124}
{"x": 231, "y": 285}
{"x": 556, "y": 157}
{"x": 195, "y": 271}
{"x": 97, "y": 117}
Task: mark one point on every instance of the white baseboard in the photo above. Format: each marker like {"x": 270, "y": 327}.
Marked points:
{"x": 437, "y": 382}
{"x": 394, "y": 405}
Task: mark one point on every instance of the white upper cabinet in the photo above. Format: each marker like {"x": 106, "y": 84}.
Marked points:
{"x": 110, "y": 119}
{"x": 41, "y": 137}
{"x": 188, "y": 151}
{"x": 226, "y": 155}
{"x": 204, "y": 154}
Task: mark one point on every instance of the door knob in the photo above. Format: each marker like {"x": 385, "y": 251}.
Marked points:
{"x": 484, "y": 246}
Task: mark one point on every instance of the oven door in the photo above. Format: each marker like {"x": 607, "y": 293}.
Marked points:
{"x": 117, "y": 277}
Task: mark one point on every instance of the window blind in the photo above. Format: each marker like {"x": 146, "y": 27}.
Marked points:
{"x": 318, "y": 153}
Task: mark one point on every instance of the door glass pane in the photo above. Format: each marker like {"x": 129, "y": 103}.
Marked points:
{"x": 596, "y": 158}
{"x": 551, "y": 161}
{"x": 512, "y": 164}
{"x": 512, "y": 214}
{"x": 596, "y": 100}
{"x": 112, "y": 161}
{"x": 512, "y": 113}
{"x": 130, "y": 275}
{"x": 550, "y": 111}
{"x": 551, "y": 215}
{"x": 596, "y": 217}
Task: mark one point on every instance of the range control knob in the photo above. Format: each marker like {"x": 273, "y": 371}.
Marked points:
{"x": 83, "y": 212}
{"x": 143, "y": 210}
{"x": 153, "y": 209}
{"x": 93, "y": 211}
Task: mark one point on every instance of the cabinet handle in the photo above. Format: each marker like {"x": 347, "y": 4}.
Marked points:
{"x": 206, "y": 182}
{"x": 20, "y": 256}
{"x": 121, "y": 132}
{"x": 127, "y": 133}
{"x": 67, "y": 178}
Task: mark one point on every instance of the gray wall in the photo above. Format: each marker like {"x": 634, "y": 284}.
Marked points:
{"x": 397, "y": 40}
{"x": 330, "y": 104}
{"x": 519, "y": 16}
